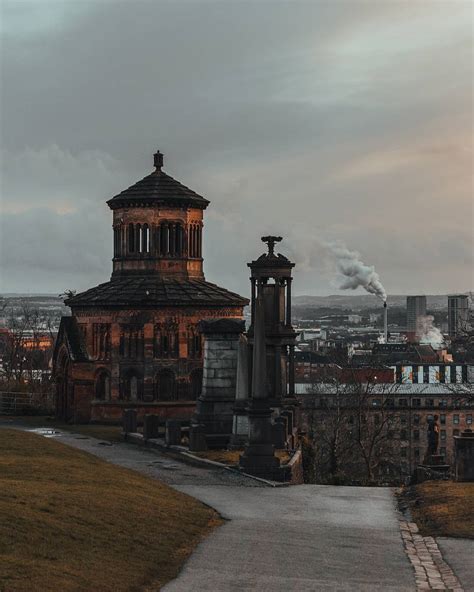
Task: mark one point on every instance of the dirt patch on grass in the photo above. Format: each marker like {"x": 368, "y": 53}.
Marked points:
{"x": 442, "y": 508}
{"x": 72, "y": 522}
{"x": 231, "y": 457}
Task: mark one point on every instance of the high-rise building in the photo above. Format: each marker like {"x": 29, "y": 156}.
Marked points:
{"x": 458, "y": 314}
{"x": 416, "y": 309}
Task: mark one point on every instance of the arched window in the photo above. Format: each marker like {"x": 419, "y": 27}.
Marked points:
{"x": 131, "y": 238}
{"x": 164, "y": 239}
{"x": 191, "y": 240}
{"x": 145, "y": 242}
{"x": 165, "y": 385}
{"x": 179, "y": 240}
{"x": 102, "y": 386}
{"x": 138, "y": 242}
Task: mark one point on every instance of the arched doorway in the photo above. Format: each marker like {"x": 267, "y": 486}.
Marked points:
{"x": 165, "y": 385}
{"x": 132, "y": 386}
{"x": 196, "y": 383}
{"x": 102, "y": 386}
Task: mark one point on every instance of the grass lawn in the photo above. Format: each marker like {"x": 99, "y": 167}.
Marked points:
{"x": 72, "y": 522}
{"x": 443, "y": 508}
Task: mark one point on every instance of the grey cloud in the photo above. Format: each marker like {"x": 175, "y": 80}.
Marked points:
{"x": 305, "y": 119}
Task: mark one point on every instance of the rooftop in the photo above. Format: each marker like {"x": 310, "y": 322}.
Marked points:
{"x": 158, "y": 188}
{"x": 152, "y": 291}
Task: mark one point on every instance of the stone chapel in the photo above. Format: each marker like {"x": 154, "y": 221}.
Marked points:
{"x": 134, "y": 341}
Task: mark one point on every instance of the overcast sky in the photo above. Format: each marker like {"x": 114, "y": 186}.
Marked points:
{"x": 319, "y": 121}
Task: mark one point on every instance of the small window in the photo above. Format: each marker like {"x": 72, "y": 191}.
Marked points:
{"x": 416, "y": 434}
{"x": 455, "y": 432}
{"x": 416, "y": 402}
{"x": 469, "y": 418}
{"x": 456, "y": 419}
{"x": 403, "y": 434}
{"x": 403, "y": 452}
{"x": 442, "y": 419}
{"x": 442, "y": 451}
{"x": 429, "y": 402}
{"x": 443, "y": 434}
{"x": 416, "y": 419}
{"x": 417, "y": 453}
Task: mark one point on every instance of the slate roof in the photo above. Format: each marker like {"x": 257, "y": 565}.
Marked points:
{"x": 158, "y": 188}
{"x": 153, "y": 291}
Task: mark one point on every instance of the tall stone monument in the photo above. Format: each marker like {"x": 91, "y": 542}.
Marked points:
{"x": 259, "y": 457}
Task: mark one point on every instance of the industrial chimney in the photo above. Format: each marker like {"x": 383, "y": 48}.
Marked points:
{"x": 385, "y": 322}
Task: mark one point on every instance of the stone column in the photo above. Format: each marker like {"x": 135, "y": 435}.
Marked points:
{"x": 240, "y": 424}
{"x": 114, "y": 361}
{"x": 148, "y": 373}
{"x": 259, "y": 458}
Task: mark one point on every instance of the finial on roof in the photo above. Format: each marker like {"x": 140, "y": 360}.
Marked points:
{"x": 271, "y": 240}
{"x": 158, "y": 160}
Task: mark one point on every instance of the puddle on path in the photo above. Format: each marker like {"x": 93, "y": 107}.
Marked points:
{"x": 46, "y": 432}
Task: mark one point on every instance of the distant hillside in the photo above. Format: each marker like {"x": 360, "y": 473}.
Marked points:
{"x": 361, "y": 301}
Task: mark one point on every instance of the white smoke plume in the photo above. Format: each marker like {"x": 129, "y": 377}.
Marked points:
{"x": 428, "y": 333}
{"x": 355, "y": 272}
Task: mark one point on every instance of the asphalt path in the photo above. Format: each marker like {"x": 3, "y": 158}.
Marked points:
{"x": 300, "y": 538}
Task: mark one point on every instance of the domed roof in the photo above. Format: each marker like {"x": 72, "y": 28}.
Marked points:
{"x": 158, "y": 188}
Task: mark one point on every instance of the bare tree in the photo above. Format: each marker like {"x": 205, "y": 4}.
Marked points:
{"x": 354, "y": 428}
{"x": 28, "y": 345}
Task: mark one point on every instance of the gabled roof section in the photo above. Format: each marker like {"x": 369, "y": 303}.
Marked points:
{"x": 70, "y": 334}
{"x": 158, "y": 188}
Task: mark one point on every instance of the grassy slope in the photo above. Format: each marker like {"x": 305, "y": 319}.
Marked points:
{"x": 444, "y": 508}
{"x": 69, "y": 521}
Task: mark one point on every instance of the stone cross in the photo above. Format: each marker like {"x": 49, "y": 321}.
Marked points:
{"x": 271, "y": 240}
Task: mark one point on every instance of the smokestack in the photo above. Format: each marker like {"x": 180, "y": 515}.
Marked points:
{"x": 385, "y": 322}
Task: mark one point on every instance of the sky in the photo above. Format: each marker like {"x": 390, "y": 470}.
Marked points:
{"x": 320, "y": 121}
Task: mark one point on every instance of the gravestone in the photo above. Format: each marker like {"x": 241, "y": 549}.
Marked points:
{"x": 173, "y": 432}
{"x": 151, "y": 425}
{"x": 197, "y": 438}
{"x": 129, "y": 421}
{"x": 464, "y": 456}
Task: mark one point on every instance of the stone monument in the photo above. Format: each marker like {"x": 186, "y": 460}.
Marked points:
{"x": 259, "y": 457}
{"x": 464, "y": 456}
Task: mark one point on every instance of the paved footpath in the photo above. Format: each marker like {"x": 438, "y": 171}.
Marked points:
{"x": 303, "y": 538}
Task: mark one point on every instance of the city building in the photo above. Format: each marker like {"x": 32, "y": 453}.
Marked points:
{"x": 458, "y": 314}
{"x": 134, "y": 341}
{"x": 405, "y": 407}
{"x": 416, "y": 310}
